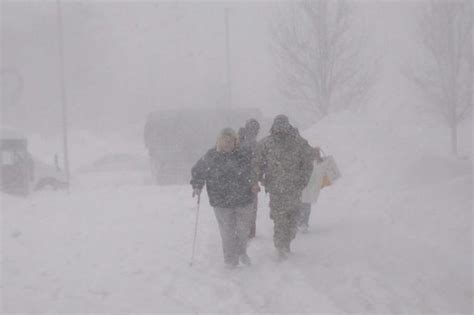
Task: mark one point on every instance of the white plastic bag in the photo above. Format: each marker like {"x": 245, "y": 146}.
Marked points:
{"x": 327, "y": 168}
{"x": 331, "y": 169}
{"x": 311, "y": 191}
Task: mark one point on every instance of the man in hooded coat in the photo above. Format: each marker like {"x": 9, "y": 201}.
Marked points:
{"x": 285, "y": 165}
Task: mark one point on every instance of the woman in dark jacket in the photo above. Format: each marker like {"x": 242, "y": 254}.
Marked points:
{"x": 231, "y": 182}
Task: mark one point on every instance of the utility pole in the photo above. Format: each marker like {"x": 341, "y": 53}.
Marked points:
{"x": 63, "y": 91}
{"x": 227, "y": 46}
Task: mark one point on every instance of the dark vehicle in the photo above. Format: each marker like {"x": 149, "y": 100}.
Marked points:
{"x": 175, "y": 139}
{"x": 20, "y": 172}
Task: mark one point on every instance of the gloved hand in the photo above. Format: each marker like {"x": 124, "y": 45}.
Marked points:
{"x": 196, "y": 192}
{"x": 317, "y": 154}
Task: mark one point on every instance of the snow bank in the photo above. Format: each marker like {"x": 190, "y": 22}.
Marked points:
{"x": 386, "y": 154}
{"x": 418, "y": 198}
{"x": 86, "y": 147}
{"x": 393, "y": 235}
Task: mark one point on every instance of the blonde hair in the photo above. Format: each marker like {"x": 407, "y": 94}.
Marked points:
{"x": 226, "y": 135}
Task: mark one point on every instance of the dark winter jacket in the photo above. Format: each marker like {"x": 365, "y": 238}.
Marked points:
{"x": 228, "y": 177}
{"x": 285, "y": 160}
{"x": 248, "y": 141}
{"x": 248, "y": 134}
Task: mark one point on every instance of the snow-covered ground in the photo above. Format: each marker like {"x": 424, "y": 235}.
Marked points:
{"x": 394, "y": 235}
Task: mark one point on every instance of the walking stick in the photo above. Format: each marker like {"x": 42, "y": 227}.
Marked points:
{"x": 195, "y": 229}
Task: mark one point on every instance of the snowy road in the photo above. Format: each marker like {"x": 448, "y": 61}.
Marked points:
{"x": 122, "y": 246}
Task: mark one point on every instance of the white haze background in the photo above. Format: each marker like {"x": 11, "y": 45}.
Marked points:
{"x": 394, "y": 235}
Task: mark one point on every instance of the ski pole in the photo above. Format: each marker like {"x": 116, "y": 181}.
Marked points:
{"x": 195, "y": 229}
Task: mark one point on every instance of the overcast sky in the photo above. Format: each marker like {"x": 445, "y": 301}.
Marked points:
{"x": 126, "y": 58}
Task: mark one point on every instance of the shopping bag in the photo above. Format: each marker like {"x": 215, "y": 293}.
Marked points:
{"x": 331, "y": 171}
{"x": 325, "y": 173}
{"x": 311, "y": 192}
{"x": 326, "y": 182}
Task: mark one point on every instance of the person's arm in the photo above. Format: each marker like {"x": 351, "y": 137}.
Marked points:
{"x": 199, "y": 172}
{"x": 250, "y": 163}
{"x": 260, "y": 164}
{"x": 306, "y": 164}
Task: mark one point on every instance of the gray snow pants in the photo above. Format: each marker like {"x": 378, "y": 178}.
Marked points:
{"x": 234, "y": 226}
{"x": 284, "y": 211}
{"x": 253, "y": 223}
{"x": 305, "y": 212}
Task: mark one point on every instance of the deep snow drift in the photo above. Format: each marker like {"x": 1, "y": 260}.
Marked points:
{"x": 393, "y": 235}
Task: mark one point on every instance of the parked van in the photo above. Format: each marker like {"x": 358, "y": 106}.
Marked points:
{"x": 175, "y": 139}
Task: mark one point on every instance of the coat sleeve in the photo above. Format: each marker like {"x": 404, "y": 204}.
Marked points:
{"x": 254, "y": 175}
{"x": 199, "y": 172}
{"x": 251, "y": 163}
{"x": 260, "y": 164}
{"x": 307, "y": 158}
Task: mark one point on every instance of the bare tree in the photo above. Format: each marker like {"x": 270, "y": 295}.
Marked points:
{"x": 321, "y": 60}
{"x": 445, "y": 72}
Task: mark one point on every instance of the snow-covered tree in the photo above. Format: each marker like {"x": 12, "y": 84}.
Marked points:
{"x": 444, "y": 73}
{"x": 320, "y": 56}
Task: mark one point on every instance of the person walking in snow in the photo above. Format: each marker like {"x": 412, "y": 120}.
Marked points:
{"x": 310, "y": 193}
{"x": 231, "y": 182}
{"x": 248, "y": 140}
{"x": 285, "y": 166}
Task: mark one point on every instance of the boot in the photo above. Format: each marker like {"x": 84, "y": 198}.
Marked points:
{"x": 245, "y": 260}
{"x": 282, "y": 254}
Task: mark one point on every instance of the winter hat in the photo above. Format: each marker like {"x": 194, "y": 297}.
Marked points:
{"x": 226, "y": 136}
{"x": 252, "y": 126}
{"x": 281, "y": 124}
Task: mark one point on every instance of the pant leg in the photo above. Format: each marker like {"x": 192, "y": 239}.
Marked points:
{"x": 243, "y": 221}
{"x": 280, "y": 231}
{"x": 305, "y": 212}
{"x": 284, "y": 211}
{"x": 253, "y": 223}
{"x": 226, "y": 220}
{"x": 292, "y": 218}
